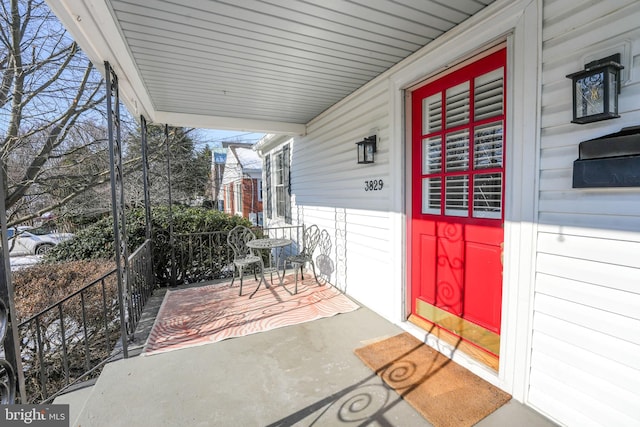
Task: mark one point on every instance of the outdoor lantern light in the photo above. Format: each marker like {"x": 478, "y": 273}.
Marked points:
{"x": 366, "y": 148}
{"x": 595, "y": 90}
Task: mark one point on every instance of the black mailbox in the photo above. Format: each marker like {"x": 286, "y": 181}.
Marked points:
{"x": 609, "y": 161}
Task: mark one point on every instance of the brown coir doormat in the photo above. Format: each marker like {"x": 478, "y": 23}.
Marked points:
{"x": 445, "y": 393}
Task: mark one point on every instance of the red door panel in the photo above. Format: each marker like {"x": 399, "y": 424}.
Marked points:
{"x": 482, "y": 300}
{"x": 458, "y": 175}
{"x": 428, "y": 248}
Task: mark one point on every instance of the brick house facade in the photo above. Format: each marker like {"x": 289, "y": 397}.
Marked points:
{"x": 242, "y": 183}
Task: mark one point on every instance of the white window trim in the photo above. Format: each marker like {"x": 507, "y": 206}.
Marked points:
{"x": 227, "y": 198}
{"x": 275, "y": 171}
{"x": 237, "y": 197}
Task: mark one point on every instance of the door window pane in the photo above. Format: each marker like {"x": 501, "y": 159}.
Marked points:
{"x": 432, "y": 113}
{"x": 457, "y": 195}
{"x": 458, "y": 105}
{"x": 457, "y": 151}
{"x": 487, "y": 195}
{"x": 431, "y": 155}
{"x": 489, "y": 93}
{"x": 431, "y": 198}
{"x": 487, "y": 146}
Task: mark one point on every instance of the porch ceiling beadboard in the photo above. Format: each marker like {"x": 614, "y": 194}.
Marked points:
{"x": 261, "y": 65}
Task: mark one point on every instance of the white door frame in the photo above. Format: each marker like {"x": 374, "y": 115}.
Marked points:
{"x": 519, "y": 23}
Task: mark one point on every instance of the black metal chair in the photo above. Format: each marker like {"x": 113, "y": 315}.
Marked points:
{"x": 243, "y": 256}
{"x": 311, "y": 239}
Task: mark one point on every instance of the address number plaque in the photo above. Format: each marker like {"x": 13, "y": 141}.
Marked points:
{"x": 373, "y": 185}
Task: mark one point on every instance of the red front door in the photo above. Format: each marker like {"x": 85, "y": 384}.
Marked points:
{"x": 458, "y": 175}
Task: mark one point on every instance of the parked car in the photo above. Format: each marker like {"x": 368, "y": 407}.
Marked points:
{"x": 26, "y": 240}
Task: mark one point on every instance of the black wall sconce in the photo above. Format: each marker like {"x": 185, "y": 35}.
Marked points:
{"x": 366, "y": 149}
{"x": 596, "y": 89}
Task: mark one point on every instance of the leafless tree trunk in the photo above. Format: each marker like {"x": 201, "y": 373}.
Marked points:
{"x": 49, "y": 94}
{"x": 53, "y": 146}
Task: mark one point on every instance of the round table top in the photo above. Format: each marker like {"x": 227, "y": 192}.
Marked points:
{"x": 268, "y": 243}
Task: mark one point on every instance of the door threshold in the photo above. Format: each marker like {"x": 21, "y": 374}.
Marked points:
{"x": 487, "y": 359}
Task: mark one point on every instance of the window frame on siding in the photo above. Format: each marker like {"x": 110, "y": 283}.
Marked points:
{"x": 279, "y": 185}
{"x": 278, "y": 177}
{"x": 267, "y": 169}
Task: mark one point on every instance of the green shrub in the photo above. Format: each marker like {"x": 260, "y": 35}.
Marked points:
{"x": 210, "y": 260}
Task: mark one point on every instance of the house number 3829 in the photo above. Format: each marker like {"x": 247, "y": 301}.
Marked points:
{"x": 373, "y": 185}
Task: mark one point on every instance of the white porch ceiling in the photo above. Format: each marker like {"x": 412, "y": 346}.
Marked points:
{"x": 256, "y": 65}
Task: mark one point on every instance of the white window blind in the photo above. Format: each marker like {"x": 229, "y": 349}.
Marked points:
{"x": 432, "y": 203}
{"x": 432, "y": 113}
{"x": 431, "y": 155}
{"x": 457, "y": 151}
{"x": 458, "y": 105}
{"x": 456, "y": 195}
{"x": 489, "y": 93}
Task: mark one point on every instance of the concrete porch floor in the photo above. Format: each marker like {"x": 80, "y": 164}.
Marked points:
{"x": 302, "y": 375}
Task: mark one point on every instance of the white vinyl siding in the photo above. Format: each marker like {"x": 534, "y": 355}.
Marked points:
{"x": 329, "y": 190}
{"x": 585, "y": 368}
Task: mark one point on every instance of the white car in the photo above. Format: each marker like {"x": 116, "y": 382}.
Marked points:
{"x": 28, "y": 241}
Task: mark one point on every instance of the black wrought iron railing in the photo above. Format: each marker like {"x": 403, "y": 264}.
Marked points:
{"x": 71, "y": 340}
{"x": 207, "y": 256}
{"x": 202, "y": 256}
{"x": 7, "y": 372}
{"x": 140, "y": 281}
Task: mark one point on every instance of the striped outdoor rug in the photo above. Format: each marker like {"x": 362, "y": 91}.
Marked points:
{"x": 202, "y": 315}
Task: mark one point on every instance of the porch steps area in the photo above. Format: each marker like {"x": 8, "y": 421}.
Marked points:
{"x": 76, "y": 399}
{"x": 300, "y": 375}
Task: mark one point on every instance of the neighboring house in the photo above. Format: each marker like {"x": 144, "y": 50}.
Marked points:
{"x": 242, "y": 183}
{"x": 467, "y": 230}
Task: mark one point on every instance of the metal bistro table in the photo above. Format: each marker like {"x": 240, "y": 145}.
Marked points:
{"x": 269, "y": 244}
